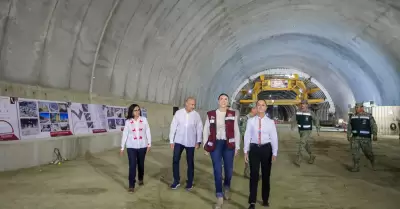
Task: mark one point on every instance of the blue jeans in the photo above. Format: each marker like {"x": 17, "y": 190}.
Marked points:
{"x": 222, "y": 152}
{"x": 178, "y": 149}
{"x": 136, "y": 160}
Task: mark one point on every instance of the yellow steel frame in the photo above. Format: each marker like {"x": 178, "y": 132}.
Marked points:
{"x": 294, "y": 84}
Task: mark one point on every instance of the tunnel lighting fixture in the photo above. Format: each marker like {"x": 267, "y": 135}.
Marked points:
{"x": 340, "y": 121}
{"x": 250, "y": 90}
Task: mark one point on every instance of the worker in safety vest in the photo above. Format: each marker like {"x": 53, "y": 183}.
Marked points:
{"x": 361, "y": 128}
{"x": 304, "y": 120}
{"x": 243, "y": 125}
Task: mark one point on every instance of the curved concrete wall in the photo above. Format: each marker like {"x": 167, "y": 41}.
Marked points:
{"x": 164, "y": 50}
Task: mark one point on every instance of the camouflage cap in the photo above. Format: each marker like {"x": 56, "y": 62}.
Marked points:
{"x": 359, "y": 104}
{"x": 304, "y": 101}
{"x": 252, "y": 105}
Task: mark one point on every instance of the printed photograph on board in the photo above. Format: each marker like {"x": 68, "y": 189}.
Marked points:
{"x": 9, "y": 125}
{"x": 116, "y": 118}
{"x": 42, "y": 118}
{"x": 88, "y": 118}
{"x": 28, "y": 109}
{"x": 52, "y": 116}
{"x": 144, "y": 112}
{"x": 28, "y": 118}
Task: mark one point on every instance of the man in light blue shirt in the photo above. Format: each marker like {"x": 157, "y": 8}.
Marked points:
{"x": 185, "y": 134}
{"x": 260, "y": 147}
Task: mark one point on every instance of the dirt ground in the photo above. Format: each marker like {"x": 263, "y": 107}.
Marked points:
{"x": 100, "y": 181}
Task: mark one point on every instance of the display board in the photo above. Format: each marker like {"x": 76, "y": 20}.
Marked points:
{"x": 9, "y": 125}
{"x": 22, "y": 118}
{"x": 88, "y": 118}
{"x": 144, "y": 112}
{"x": 116, "y": 118}
{"x": 42, "y": 118}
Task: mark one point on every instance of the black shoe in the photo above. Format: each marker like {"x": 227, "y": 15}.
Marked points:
{"x": 252, "y": 206}
{"x": 141, "y": 183}
{"x": 265, "y": 204}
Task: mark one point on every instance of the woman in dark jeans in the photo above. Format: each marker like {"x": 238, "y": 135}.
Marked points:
{"x": 137, "y": 139}
{"x": 221, "y": 140}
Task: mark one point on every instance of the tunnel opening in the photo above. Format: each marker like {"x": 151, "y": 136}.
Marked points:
{"x": 283, "y": 91}
{"x": 278, "y": 112}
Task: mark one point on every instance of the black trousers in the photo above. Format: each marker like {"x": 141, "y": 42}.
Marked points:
{"x": 260, "y": 154}
{"x": 136, "y": 160}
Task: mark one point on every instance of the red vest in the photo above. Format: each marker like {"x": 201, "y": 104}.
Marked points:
{"x": 229, "y": 130}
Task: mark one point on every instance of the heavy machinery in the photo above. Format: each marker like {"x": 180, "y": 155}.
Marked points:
{"x": 292, "y": 84}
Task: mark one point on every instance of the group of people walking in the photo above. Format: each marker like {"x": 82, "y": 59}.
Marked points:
{"x": 221, "y": 139}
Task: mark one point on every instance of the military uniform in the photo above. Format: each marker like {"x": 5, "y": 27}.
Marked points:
{"x": 398, "y": 126}
{"x": 360, "y": 129}
{"x": 304, "y": 120}
{"x": 242, "y": 131}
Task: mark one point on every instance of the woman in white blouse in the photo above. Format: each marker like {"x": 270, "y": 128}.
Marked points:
{"x": 137, "y": 139}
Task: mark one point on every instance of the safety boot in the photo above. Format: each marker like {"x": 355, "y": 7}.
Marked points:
{"x": 356, "y": 167}
{"x": 373, "y": 164}
{"x": 220, "y": 202}
{"x": 312, "y": 159}
{"x": 297, "y": 162}
{"x": 227, "y": 194}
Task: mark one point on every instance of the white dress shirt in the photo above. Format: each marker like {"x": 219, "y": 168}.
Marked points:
{"x": 136, "y": 134}
{"x": 221, "y": 134}
{"x": 186, "y": 128}
{"x": 268, "y": 133}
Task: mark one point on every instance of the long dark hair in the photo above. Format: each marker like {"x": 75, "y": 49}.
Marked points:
{"x": 130, "y": 111}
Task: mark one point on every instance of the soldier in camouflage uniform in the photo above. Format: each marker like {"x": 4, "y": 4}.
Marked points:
{"x": 361, "y": 128}
{"x": 304, "y": 120}
{"x": 243, "y": 124}
{"x": 398, "y": 127}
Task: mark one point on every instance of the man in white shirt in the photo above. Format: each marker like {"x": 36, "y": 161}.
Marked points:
{"x": 260, "y": 147}
{"x": 185, "y": 134}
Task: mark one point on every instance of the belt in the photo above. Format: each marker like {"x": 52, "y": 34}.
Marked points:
{"x": 260, "y": 145}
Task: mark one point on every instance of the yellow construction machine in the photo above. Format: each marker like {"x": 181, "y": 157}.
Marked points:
{"x": 293, "y": 84}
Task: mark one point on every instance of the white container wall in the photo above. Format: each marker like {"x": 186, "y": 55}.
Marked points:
{"x": 384, "y": 116}
{"x": 323, "y": 113}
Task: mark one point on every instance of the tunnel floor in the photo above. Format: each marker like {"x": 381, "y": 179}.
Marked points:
{"x": 100, "y": 181}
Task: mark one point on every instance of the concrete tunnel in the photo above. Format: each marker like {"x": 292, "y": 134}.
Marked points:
{"x": 158, "y": 52}
{"x": 163, "y": 51}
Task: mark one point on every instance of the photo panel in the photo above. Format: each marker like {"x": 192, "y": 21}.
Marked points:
{"x": 88, "y": 118}
{"x": 9, "y": 124}
{"x": 43, "y": 118}
{"x": 116, "y": 118}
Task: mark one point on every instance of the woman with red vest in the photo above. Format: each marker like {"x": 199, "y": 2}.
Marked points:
{"x": 137, "y": 139}
{"x": 221, "y": 138}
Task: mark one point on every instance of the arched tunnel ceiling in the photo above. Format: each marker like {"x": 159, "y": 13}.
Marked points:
{"x": 164, "y": 50}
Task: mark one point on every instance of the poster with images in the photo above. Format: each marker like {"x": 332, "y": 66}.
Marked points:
{"x": 116, "y": 118}
{"x": 43, "y": 118}
{"x": 88, "y": 118}
{"x": 9, "y": 126}
{"x": 144, "y": 112}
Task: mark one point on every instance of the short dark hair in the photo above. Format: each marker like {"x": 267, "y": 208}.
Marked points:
{"x": 130, "y": 111}
{"x": 262, "y": 100}
{"x": 223, "y": 94}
